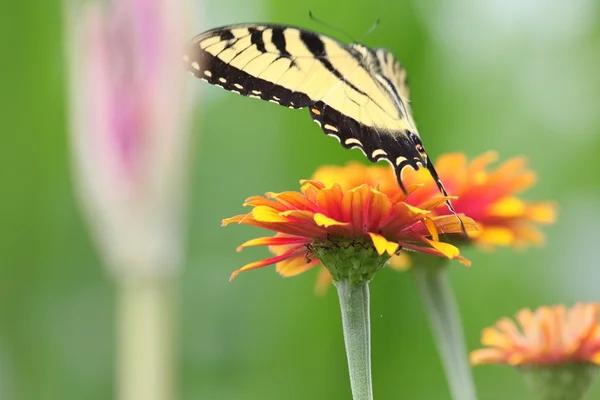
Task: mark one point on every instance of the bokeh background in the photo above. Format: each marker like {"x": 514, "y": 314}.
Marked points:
{"x": 519, "y": 77}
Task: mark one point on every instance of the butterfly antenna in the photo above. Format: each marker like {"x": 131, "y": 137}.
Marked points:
{"x": 370, "y": 30}
{"x": 442, "y": 189}
{"x": 328, "y": 25}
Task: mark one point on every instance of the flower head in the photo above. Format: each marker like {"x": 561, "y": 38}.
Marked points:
{"x": 547, "y": 336}
{"x": 486, "y": 195}
{"x": 129, "y": 128}
{"x": 321, "y": 217}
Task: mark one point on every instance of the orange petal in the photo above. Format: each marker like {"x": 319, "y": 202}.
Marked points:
{"x": 264, "y": 263}
{"x": 315, "y": 184}
{"x": 273, "y": 241}
{"x": 544, "y": 213}
{"x": 446, "y": 249}
{"x": 507, "y": 207}
{"x": 403, "y": 216}
{"x": 267, "y": 214}
{"x": 400, "y": 262}
{"x": 492, "y": 337}
{"x": 295, "y": 265}
{"x": 430, "y": 225}
{"x": 382, "y": 245}
{"x": 379, "y": 211}
{"x": 494, "y": 235}
{"x": 256, "y": 201}
{"x": 330, "y": 201}
{"x": 294, "y": 200}
{"x": 326, "y": 222}
{"x": 236, "y": 219}
{"x": 353, "y": 207}
{"x": 323, "y": 281}
{"x": 486, "y": 356}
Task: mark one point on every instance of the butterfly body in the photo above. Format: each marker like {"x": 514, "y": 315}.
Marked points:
{"x": 354, "y": 93}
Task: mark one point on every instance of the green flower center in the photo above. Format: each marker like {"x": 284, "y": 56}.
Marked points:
{"x": 352, "y": 259}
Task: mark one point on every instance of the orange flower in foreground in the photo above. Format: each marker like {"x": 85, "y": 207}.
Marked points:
{"x": 485, "y": 195}
{"x": 323, "y": 216}
{"x": 549, "y": 336}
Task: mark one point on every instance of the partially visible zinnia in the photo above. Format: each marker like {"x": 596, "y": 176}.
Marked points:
{"x": 557, "y": 348}
{"x": 486, "y": 195}
{"x": 353, "y": 221}
{"x": 546, "y": 336}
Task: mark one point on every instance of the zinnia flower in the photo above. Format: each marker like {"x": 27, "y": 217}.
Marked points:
{"x": 486, "y": 195}
{"x": 557, "y": 349}
{"x": 548, "y": 336}
{"x": 322, "y": 217}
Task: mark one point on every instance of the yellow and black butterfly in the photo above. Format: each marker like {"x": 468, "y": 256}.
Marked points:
{"x": 354, "y": 93}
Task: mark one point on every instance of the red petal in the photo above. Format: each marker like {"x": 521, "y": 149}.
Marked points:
{"x": 265, "y": 262}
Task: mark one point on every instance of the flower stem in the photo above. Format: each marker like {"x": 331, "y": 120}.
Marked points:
{"x": 145, "y": 339}
{"x": 444, "y": 318}
{"x": 354, "y": 302}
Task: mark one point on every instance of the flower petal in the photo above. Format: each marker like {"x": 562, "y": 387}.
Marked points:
{"x": 382, "y": 245}
{"x": 296, "y": 265}
{"x": 267, "y": 214}
{"x": 326, "y": 222}
{"x": 273, "y": 241}
{"x": 431, "y": 227}
{"x": 400, "y": 262}
{"x": 264, "y": 263}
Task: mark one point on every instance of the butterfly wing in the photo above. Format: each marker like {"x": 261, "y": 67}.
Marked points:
{"x": 348, "y": 94}
{"x": 393, "y": 71}
{"x": 274, "y": 63}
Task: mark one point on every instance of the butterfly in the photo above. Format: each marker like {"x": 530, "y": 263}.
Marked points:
{"x": 355, "y": 94}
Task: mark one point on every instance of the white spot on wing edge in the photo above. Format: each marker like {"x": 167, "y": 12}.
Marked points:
{"x": 350, "y": 141}
{"x": 274, "y": 101}
{"x": 196, "y": 66}
{"x": 399, "y": 160}
{"x": 335, "y": 136}
{"x": 208, "y": 73}
{"x": 237, "y": 85}
{"x": 331, "y": 128}
{"x": 253, "y": 96}
{"x": 317, "y": 122}
{"x": 378, "y": 152}
{"x": 202, "y": 79}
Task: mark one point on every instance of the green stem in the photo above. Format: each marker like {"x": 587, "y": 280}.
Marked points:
{"x": 145, "y": 339}
{"x": 354, "y": 302}
{"x": 444, "y": 318}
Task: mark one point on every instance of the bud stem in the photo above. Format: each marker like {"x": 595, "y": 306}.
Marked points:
{"x": 145, "y": 339}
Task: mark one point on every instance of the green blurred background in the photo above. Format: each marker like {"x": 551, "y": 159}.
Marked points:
{"x": 519, "y": 77}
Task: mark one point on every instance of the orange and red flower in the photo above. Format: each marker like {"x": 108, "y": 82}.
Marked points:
{"x": 322, "y": 212}
{"x": 548, "y": 336}
{"x": 486, "y": 195}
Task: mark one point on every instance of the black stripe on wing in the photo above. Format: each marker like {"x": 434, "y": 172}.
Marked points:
{"x": 316, "y": 46}
{"x": 394, "y": 147}
{"x": 213, "y": 70}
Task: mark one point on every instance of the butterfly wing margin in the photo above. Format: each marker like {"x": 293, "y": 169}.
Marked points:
{"x": 281, "y": 64}
{"x": 395, "y": 147}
